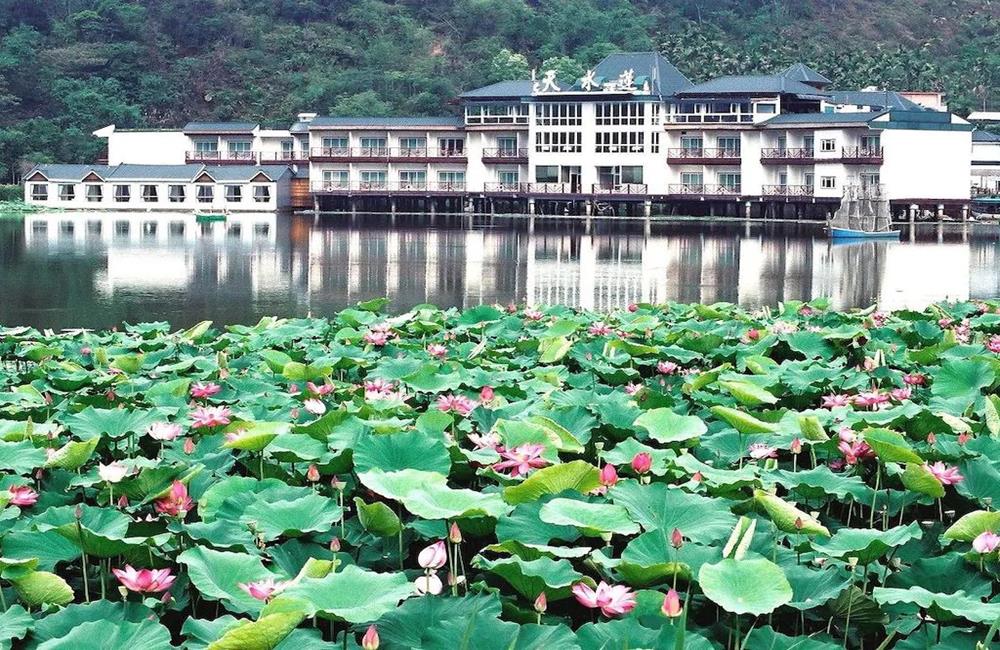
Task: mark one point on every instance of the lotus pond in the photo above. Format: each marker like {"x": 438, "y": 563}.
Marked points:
{"x": 666, "y": 476}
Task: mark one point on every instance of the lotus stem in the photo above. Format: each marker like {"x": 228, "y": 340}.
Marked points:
{"x": 878, "y": 478}
{"x": 3, "y": 599}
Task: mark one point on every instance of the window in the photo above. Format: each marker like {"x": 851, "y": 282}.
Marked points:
{"x": 413, "y": 146}
{"x": 261, "y": 193}
{"x": 828, "y": 144}
{"x": 691, "y": 143}
{"x": 123, "y": 193}
{"x": 373, "y": 179}
{"x": 287, "y": 146}
{"x": 234, "y": 193}
{"x": 558, "y": 114}
{"x": 809, "y": 180}
{"x": 621, "y": 142}
{"x": 507, "y": 145}
{"x": 451, "y": 146}
{"x": 94, "y": 228}
{"x": 871, "y": 143}
{"x": 412, "y": 179}
{"x": 206, "y": 193}
{"x": 508, "y": 177}
{"x": 95, "y": 193}
{"x": 561, "y": 141}
{"x": 610, "y": 177}
{"x": 547, "y": 174}
{"x": 654, "y": 117}
{"x": 782, "y": 143}
{"x": 40, "y": 192}
{"x": 809, "y": 144}
{"x": 335, "y": 178}
{"x": 870, "y": 179}
{"x": 122, "y": 229}
{"x": 783, "y": 179}
{"x": 206, "y": 146}
{"x": 728, "y": 143}
{"x": 619, "y": 113}
{"x": 654, "y": 142}
{"x": 148, "y": 229}
{"x": 67, "y": 192}
{"x": 766, "y": 108}
{"x": 175, "y": 229}
{"x": 496, "y": 114}
{"x": 452, "y": 180}
{"x": 730, "y": 181}
{"x": 175, "y": 193}
{"x": 240, "y": 145}
{"x": 692, "y": 179}
{"x": 149, "y": 193}
{"x": 335, "y": 145}
{"x": 374, "y": 146}
{"x": 828, "y": 182}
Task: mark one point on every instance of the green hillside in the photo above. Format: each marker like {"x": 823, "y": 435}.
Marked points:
{"x": 70, "y": 66}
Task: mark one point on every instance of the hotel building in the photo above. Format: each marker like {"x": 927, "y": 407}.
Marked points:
{"x": 632, "y": 131}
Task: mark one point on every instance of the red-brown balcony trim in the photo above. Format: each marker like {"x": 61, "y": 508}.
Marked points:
{"x": 386, "y": 154}
{"x": 221, "y": 157}
{"x": 704, "y": 190}
{"x": 861, "y": 155}
{"x": 387, "y": 187}
{"x": 788, "y": 191}
{"x": 499, "y": 156}
{"x": 789, "y": 156}
{"x": 703, "y": 156}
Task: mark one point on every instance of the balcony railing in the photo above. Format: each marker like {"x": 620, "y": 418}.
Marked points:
{"x": 710, "y": 118}
{"x": 788, "y": 190}
{"x": 862, "y": 155}
{"x": 454, "y": 187}
{"x": 701, "y": 189}
{"x": 703, "y": 155}
{"x": 786, "y": 154}
{"x": 386, "y": 154}
{"x": 620, "y": 188}
{"x": 984, "y": 192}
{"x": 284, "y": 156}
{"x": 245, "y": 157}
{"x": 505, "y": 154}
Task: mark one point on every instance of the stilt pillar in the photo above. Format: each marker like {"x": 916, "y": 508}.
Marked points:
{"x": 965, "y": 213}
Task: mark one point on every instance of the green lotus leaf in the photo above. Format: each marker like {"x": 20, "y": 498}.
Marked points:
{"x": 407, "y": 626}
{"x": 958, "y": 604}
{"x": 958, "y": 384}
{"x": 866, "y": 544}
{"x": 747, "y": 393}
{"x": 661, "y": 507}
{"x": 553, "y": 349}
{"x": 918, "y": 478}
{"x": 352, "y": 594}
{"x": 42, "y": 588}
{"x": 812, "y": 587}
{"x": 971, "y": 525}
{"x": 666, "y": 426}
{"x": 265, "y": 633}
{"x": 377, "y": 518}
{"x": 272, "y": 519}
{"x": 891, "y": 447}
{"x": 530, "y": 578}
{"x": 73, "y": 455}
{"x": 789, "y": 518}
{"x": 427, "y": 495}
{"x": 113, "y": 423}
{"x": 99, "y": 532}
{"x": 402, "y": 450}
{"x": 253, "y": 436}
{"x": 649, "y": 559}
{"x": 217, "y": 575}
{"x": 766, "y": 637}
{"x": 101, "y": 635}
{"x": 15, "y": 622}
{"x": 756, "y": 586}
{"x": 21, "y": 457}
{"x": 590, "y": 518}
{"x": 579, "y": 476}
{"x": 742, "y": 422}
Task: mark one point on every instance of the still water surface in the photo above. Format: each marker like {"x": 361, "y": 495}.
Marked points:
{"x": 90, "y": 270}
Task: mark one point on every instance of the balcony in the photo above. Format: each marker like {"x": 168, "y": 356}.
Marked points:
{"x": 710, "y": 118}
{"x": 532, "y": 188}
{"x": 703, "y": 156}
{"x": 505, "y": 155}
{"x": 861, "y": 155}
{"x": 789, "y": 156}
{"x": 703, "y": 190}
{"x": 386, "y": 154}
{"x": 788, "y": 191}
{"x": 290, "y": 157}
{"x": 387, "y": 187}
{"x": 221, "y": 157}
{"x": 620, "y": 189}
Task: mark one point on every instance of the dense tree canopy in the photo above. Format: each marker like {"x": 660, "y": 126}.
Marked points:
{"x": 68, "y": 67}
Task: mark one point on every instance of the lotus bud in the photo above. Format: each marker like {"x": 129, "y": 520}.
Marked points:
{"x": 642, "y": 462}
{"x": 608, "y": 476}
{"x": 312, "y": 474}
{"x": 487, "y": 394}
{"x": 697, "y": 477}
{"x": 123, "y": 591}
{"x": 541, "y": 603}
{"x": 188, "y": 446}
{"x": 166, "y": 597}
{"x": 963, "y": 438}
{"x": 672, "y": 604}
{"x": 78, "y": 511}
{"x": 796, "y": 447}
{"x": 370, "y": 640}
{"x": 455, "y": 533}
{"x": 931, "y": 438}
{"x": 434, "y": 556}
{"x": 123, "y": 501}
{"x": 335, "y": 544}
{"x": 337, "y": 484}
{"x": 798, "y": 523}
{"x": 632, "y": 307}
{"x": 676, "y": 538}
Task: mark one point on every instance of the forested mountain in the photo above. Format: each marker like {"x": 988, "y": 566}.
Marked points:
{"x": 70, "y": 66}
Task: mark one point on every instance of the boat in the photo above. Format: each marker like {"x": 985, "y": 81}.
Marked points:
{"x": 863, "y": 214}
{"x": 209, "y": 217}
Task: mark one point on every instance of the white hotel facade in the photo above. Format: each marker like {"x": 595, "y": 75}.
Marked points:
{"x": 633, "y": 130}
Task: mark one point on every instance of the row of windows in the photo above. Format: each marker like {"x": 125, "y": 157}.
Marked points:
{"x": 452, "y": 145}
{"x": 150, "y": 193}
{"x": 562, "y": 141}
{"x": 148, "y": 228}
{"x": 559, "y": 114}
{"x": 415, "y": 176}
{"x": 621, "y": 142}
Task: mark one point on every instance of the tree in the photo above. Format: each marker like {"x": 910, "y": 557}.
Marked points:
{"x": 508, "y": 66}
{"x": 567, "y": 70}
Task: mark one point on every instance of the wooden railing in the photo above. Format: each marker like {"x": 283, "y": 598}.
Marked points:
{"x": 387, "y": 186}
{"x": 247, "y": 157}
{"x": 703, "y": 154}
{"x": 863, "y": 155}
{"x": 701, "y": 189}
{"x": 505, "y": 153}
{"x": 788, "y": 153}
{"x": 284, "y": 156}
{"x": 788, "y": 190}
{"x": 386, "y": 154}
{"x": 620, "y": 188}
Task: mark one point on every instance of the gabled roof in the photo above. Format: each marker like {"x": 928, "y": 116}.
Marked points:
{"x": 244, "y": 173}
{"x": 165, "y": 173}
{"x": 822, "y": 119}
{"x": 805, "y": 74}
{"x": 129, "y": 172}
{"x": 753, "y": 85}
{"x": 215, "y": 128}
{"x": 69, "y": 173}
{"x": 664, "y": 78}
{"x": 985, "y": 136}
{"x": 501, "y": 90}
{"x": 385, "y": 122}
{"x": 880, "y": 99}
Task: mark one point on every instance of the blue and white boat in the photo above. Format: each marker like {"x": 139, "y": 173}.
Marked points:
{"x": 863, "y": 214}
{"x": 848, "y": 233}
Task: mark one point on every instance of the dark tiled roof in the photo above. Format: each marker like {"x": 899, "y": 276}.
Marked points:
{"x": 385, "y": 122}
{"x": 985, "y": 136}
{"x": 664, "y": 78}
{"x": 501, "y": 90}
{"x": 883, "y": 99}
{"x": 70, "y": 172}
{"x": 208, "y": 128}
{"x": 752, "y": 85}
{"x": 824, "y": 119}
{"x": 154, "y": 172}
{"x": 805, "y": 74}
{"x": 243, "y": 173}
{"x": 176, "y": 173}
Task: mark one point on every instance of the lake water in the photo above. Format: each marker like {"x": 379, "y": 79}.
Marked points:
{"x": 93, "y": 270}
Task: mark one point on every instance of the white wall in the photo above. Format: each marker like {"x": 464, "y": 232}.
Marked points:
{"x": 923, "y": 164}
{"x": 279, "y": 197}
{"x": 147, "y": 147}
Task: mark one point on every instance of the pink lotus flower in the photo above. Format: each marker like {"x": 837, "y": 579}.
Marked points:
{"x": 112, "y": 472}
{"x": 963, "y": 438}
{"x": 760, "y": 451}
{"x": 796, "y": 446}
{"x": 871, "y": 399}
{"x": 962, "y": 332}
{"x": 319, "y": 390}
{"x": 200, "y": 390}
{"x": 783, "y": 327}
{"x": 176, "y": 503}
{"x": 378, "y": 339}
{"x": 600, "y": 329}
{"x": 144, "y": 581}
{"x": 163, "y": 431}
{"x": 533, "y": 314}
{"x": 456, "y": 404}
{"x": 314, "y": 406}
{"x": 993, "y": 345}
{"x": 672, "y": 605}
{"x": 611, "y": 600}
{"x": 751, "y": 335}
{"x": 437, "y": 350}
{"x": 947, "y": 475}
{"x": 312, "y": 473}
{"x": 945, "y": 322}
{"x": 666, "y": 367}
{"x": 901, "y": 394}
{"x": 836, "y": 399}
{"x": 205, "y": 417}
{"x": 434, "y": 556}
{"x": 370, "y": 640}
{"x": 879, "y": 318}
{"x": 188, "y": 445}
{"x": 853, "y": 448}
{"x": 489, "y": 440}
{"x": 22, "y": 495}
{"x": 521, "y": 460}
{"x": 632, "y": 389}
{"x": 642, "y": 462}
{"x": 294, "y": 390}
{"x": 428, "y": 584}
{"x": 914, "y": 379}
{"x": 541, "y": 603}
{"x": 608, "y": 476}
{"x": 986, "y": 542}
{"x": 676, "y": 538}
{"x": 263, "y": 590}
{"x": 486, "y": 394}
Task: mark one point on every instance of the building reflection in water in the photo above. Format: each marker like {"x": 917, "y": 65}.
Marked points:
{"x": 96, "y": 270}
